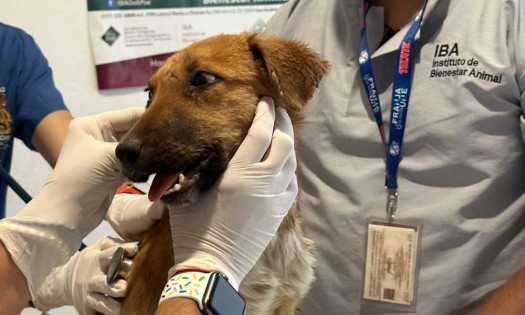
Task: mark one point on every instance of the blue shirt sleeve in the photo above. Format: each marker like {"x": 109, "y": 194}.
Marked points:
{"x": 36, "y": 94}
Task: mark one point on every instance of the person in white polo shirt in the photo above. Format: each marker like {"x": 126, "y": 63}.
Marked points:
{"x": 460, "y": 161}
{"x": 440, "y": 84}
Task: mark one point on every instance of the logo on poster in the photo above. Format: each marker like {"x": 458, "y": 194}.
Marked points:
{"x": 110, "y": 36}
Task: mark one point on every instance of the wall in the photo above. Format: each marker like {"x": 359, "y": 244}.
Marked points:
{"x": 60, "y": 29}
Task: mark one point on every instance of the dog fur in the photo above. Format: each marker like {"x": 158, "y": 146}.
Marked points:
{"x": 202, "y": 103}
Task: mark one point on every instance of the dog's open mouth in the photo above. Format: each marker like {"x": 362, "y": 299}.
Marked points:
{"x": 179, "y": 180}
{"x": 166, "y": 185}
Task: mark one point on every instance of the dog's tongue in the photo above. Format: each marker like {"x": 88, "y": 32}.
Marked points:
{"x": 161, "y": 183}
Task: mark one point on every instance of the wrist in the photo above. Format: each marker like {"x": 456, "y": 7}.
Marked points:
{"x": 178, "y": 306}
{"x": 207, "y": 263}
{"x": 53, "y": 293}
{"x": 210, "y": 292}
{"x": 190, "y": 283}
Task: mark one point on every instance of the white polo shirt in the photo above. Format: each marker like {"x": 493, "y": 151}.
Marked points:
{"x": 463, "y": 165}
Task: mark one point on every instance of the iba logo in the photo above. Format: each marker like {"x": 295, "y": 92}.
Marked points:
{"x": 450, "y": 61}
{"x": 5, "y": 120}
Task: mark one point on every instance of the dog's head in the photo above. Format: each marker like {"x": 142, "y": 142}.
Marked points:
{"x": 201, "y": 104}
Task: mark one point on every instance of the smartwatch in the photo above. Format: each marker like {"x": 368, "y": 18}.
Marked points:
{"x": 211, "y": 290}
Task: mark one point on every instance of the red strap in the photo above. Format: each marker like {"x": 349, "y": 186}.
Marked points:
{"x": 129, "y": 189}
{"x": 195, "y": 269}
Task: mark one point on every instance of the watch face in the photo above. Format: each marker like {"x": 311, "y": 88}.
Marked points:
{"x": 223, "y": 298}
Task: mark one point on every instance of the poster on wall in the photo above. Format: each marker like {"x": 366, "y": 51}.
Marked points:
{"x": 130, "y": 39}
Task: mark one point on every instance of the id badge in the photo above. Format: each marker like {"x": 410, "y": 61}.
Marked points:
{"x": 391, "y": 266}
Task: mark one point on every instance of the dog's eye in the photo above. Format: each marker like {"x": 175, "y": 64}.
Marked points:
{"x": 202, "y": 78}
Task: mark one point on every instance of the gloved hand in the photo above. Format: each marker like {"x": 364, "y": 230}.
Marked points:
{"x": 229, "y": 228}
{"x": 131, "y": 215}
{"x": 81, "y": 282}
{"x": 48, "y": 230}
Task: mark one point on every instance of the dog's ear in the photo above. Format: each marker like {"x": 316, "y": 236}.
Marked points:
{"x": 293, "y": 71}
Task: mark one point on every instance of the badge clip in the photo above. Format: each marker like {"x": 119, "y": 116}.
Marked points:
{"x": 391, "y": 204}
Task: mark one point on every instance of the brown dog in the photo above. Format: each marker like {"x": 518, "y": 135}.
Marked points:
{"x": 202, "y": 102}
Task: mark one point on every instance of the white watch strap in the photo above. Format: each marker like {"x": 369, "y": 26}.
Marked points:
{"x": 190, "y": 284}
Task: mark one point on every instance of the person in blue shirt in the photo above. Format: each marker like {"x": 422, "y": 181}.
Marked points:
{"x": 31, "y": 107}
{"x": 33, "y": 110}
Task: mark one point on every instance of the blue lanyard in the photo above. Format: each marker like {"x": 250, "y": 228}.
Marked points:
{"x": 400, "y": 96}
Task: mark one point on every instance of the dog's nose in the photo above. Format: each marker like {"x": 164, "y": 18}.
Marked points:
{"x": 128, "y": 151}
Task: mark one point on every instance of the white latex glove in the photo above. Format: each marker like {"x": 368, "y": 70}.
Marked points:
{"x": 48, "y": 230}
{"x": 81, "y": 282}
{"x": 229, "y": 228}
{"x": 131, "y": 215}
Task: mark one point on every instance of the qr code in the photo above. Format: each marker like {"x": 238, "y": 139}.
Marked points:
{"x": 389, "y": 294}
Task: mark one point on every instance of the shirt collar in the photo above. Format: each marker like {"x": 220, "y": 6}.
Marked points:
{"x": 375, "y": 29}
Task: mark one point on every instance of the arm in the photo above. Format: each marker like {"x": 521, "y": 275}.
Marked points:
{"x": 15, "y": 294}
{"x": 49, "y": 229}
{"x": 509, "y": 299}
{"x": 50, "y": 133}
{"x": 178, "y": 306}
{"x": 41, "y": 115}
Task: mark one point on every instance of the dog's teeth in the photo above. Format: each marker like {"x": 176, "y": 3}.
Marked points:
{"x": 182, "y": 182}
{"x": 194, "y": 178}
